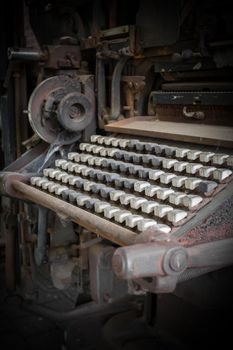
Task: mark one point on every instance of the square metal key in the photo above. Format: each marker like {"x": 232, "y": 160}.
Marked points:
{"x": 52, "y": 187}
{"x": 80, "y": 200}
{"x": 110, "y": 177}
{"x": 100, "y": 140}
{"x": 65, "y": 178}
{"x": 206, "y": 171}
{"x": 79, "y": 183}
{"x": 73, "y": 156}
{"x": 116, "y": 142}
{"x": 178, "y": 181}
{"x": 72, "y": 196}
{"x": 169, "y": 151}
{"x": 60, "y": 189}
{"x": 147, "y": 158}
{"x": 155, "y": 174}
{"x": 115, "y": 195}
{"x": 124, "y": 167}
{"x": 119, "y": 154}
{"x": 140, "y": 186}
{"x": 82, "y": 146}
{"x": 176, "y": 198}
{"x": 148, "y": 207}
{"x": 125, "y": 198}
{"x": 100, "y": 206}
{"x": 72, "y": 179}
{"x": 34, "y": 180}
{"x": 86, "y": 171}
{"x": 65, "y": 195}
{"x": 192, "y": 182}
{"x": 96, "y": 149}
{"x": 137, "y": 158}
{"x": 123, "y": 143}
{"x": 162, "y": 210}
{"x": 230, "y": 161}
{"x": 108, "y": 140}
{"x": 140, "y": 146}
{"x": 110, "y": 211}
{"x": 132, "y": 220}
{"x": 169, "y": 163}
{"x": 88, "y": 185}
{"x": 193, "y": 168}
{"x": 90, "y": 203}
{"x": 120, "y": 216}
{"x": 221, "y": 174}
{"x": 193, "y": 154}
{"x": 132, "y": 143}
{"x": 79, "y": 167}
{"x": 94, "y": 138}
{"x": 129, "y": 183}
{"x": 145, "y": 224}
{"x": 136, "y": 203}
{"x": 46, "y": 172}
{"x": 105, "y": 192}
{"x": 106, "y": 162}
{"x": 166, "y": 178}
{"x": 156, "y": 161}
{"x": 163, "y": 228}
{"x": 119, "y": 181}
{"x": 40, "y": 181}
{"x": 144, "y": 173}
{"x": 134, "y": 169}
{"x": 97, "y": 187}
{"x": 164, "y": 193}
{"x": 84, "y": 157}
{"x": 45, "y": 185}
{"x": 176, "y": 215}
{"x": 206, "y": 186}
{"x": 180, "y": 166}
{"x": 182, "y": 152}
{"x": 98, "y": 161}
{"x": 115, "y": 165}
{"x": 58, "y": 176}
{"x": 128, "y": 156}
{"x": 219, "y": 158}
{"x": 152, "y": 190}
{"x": 206, "y": 157}
{"x": 60, "y": 162}
{"x": 103, "y": 152}
{"x": 150, "y": 147}
{"x": 91, "y": 160}
{"x": 191, "y": 200}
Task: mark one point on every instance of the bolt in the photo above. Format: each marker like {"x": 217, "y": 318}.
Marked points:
{"x": 178, "y": 261}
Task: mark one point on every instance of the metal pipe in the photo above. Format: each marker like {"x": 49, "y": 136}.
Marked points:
{"x": 115, "y": 88}
{"x": 41, "y": 235}
{"x": 24, "y": 54}
{"x": 91, "y": 222}
{"x": 101, "y": 90}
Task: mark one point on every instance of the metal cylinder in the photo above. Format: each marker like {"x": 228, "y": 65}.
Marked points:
{"x": 24, "y": 54}
{"x": 151, "y": 259}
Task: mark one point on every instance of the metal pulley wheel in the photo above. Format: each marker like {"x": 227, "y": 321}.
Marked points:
{"x": 58, "y": 109}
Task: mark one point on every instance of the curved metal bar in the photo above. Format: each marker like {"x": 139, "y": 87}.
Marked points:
{"x": 115, "y": 88}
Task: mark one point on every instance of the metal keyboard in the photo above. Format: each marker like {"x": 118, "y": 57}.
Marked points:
{"x": 139, "y": 185}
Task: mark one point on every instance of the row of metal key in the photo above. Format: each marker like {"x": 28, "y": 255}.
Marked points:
{"x": 167, "y": 151}
{"x": 143, "y": 187}
{"x": 126, "y": 159}
{"x": 157, "y": 175}
{"x": 98, "y": 206}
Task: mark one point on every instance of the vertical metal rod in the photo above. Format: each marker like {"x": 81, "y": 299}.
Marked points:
{"x": 41, "y": 235}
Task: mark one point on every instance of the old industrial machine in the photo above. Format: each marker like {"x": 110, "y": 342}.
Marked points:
{"x": 117, "y": 135}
